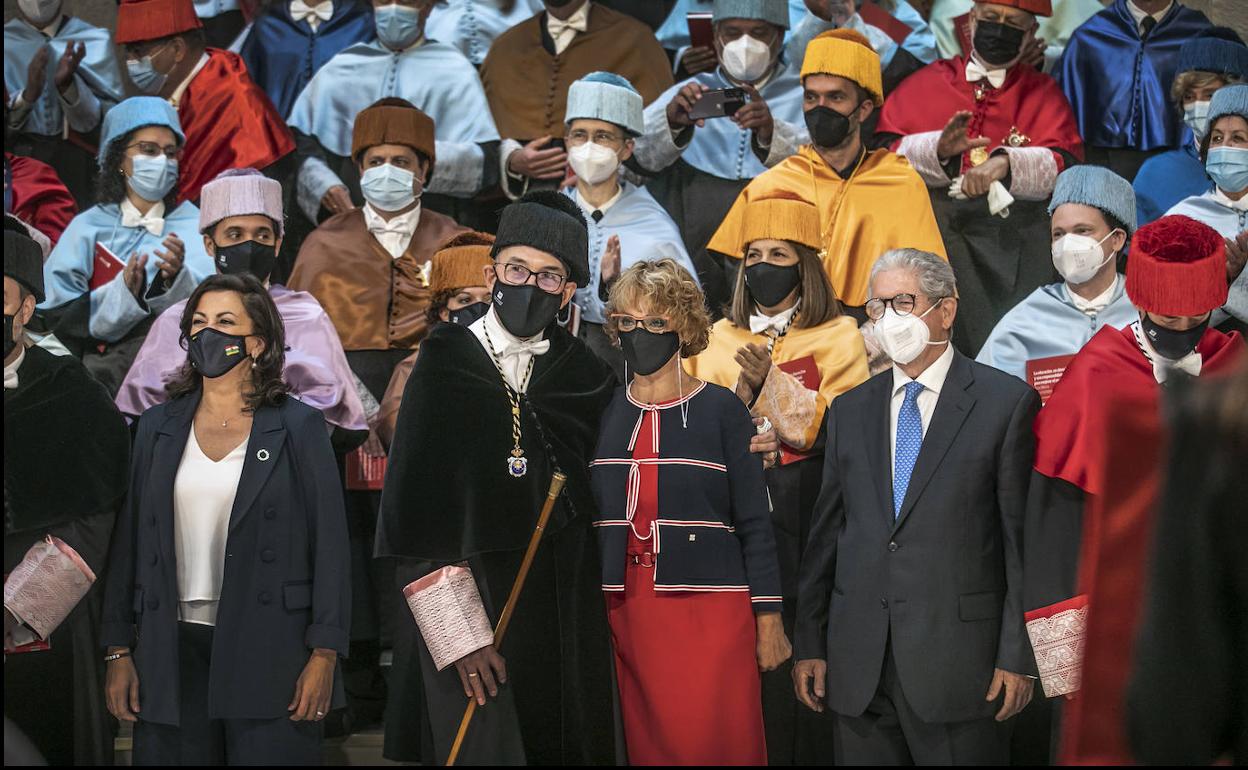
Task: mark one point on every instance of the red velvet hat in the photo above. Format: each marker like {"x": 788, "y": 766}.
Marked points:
{"x": 140, "y": 20}
{"x": 1038, "y": 7}
{"x": 1177, "y": 266}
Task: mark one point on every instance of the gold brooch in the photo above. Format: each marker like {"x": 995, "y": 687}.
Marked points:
{"x": 1017, "y": 138}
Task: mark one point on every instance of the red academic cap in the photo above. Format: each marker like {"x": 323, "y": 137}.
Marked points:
{"x": 140, "y": 20}
{"x": 1177, "y": 266}
{"x": 1038, "y": 7}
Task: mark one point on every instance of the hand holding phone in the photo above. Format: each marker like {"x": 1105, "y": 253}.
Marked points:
{"x": 719, "y": 103}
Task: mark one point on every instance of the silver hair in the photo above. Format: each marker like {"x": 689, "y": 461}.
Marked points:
{"x": 934, "y": 274}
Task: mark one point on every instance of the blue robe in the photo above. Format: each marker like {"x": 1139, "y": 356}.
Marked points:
{"x": 1166, "y": 179}
{"x": 472, "y": 25}
{"x": 98, "y": 77}
{"x": 646, "y": 232}
{"x": 920, "y": 43}
{"x": 114, "y": 311}
{"x": 1047, "y": 323}
{"x": 721, "y": 148}
{"x": 435, "y": 77}
{"x": 282, "y": 55}
{"x": 673, "y": 33}
{"x": 1119, "y": 86}
{"x": 1212, "y": 209}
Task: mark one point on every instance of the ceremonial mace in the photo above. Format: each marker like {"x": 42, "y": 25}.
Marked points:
{"x": 556, "y": 486}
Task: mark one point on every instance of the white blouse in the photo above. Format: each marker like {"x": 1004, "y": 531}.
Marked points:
{"x": 203, "y": 496}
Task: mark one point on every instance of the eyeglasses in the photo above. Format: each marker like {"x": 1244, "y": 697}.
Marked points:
{"x": 903, "y": 305}
{"x": 991, "y": 16}
{"x": 151, "y": 149}
{"x": 652, "y": 323}
{"x": 518, "y": 275}
{"x": 605, "y": 138}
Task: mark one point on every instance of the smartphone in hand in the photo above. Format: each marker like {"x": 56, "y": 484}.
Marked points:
{"x": 720, "y": 103}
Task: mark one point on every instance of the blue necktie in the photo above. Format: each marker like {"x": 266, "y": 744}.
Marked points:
{"x": 909, "y": 440}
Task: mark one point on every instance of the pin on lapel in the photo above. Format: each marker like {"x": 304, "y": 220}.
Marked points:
{"x": 262, "y": 455}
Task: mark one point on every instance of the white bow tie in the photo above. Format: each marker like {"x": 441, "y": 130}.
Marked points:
{"x": 558, "y": 27}
{"x": 976, "y": 72}
{"x": 532, "y": 348}
{"x": 153, "y": 224}
{"x": 1164, "y": 367}
{"x": 322, "y": 11}
{"x": 761, "y": 324}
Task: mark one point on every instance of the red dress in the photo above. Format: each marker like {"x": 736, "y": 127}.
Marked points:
{"x": 690, "y": 692}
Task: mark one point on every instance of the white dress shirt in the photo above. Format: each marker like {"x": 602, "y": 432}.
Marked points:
{"x": 1221, "y": 197}
{"x": 396, "y": 234}
{"x": 932, "y": 379}
{"x": 564, "y": 32}
{"x": 1140, "y": 15}
{"x": 181, "y": 89}
{"x": 619, "y": 190}
{"x": 153, "y": 221}
{"x": 513, "y": 352}
{"x": 10, "y": 370}
{"x": 203, "y": 497}
{"x": 1097, "y": 303}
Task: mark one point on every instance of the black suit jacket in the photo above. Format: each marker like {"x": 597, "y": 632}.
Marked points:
{"x": 944, "y": 581}
{"x": 287, "y": 582}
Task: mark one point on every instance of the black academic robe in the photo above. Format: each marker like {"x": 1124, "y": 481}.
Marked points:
{"x": 66, "y": 459}
{"x": 449, "y": 498}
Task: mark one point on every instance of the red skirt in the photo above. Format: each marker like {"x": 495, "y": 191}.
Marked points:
{"x": 690, "y": 692}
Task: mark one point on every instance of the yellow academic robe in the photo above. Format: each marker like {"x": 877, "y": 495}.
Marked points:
{"x": 838, "y": 355}
{"x": 883, "y": 205}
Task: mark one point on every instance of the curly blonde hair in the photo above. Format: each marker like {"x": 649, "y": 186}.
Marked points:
{"x": 662, "y": 287}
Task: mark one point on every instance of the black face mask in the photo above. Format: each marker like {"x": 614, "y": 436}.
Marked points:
{"x": 828, "y": 128}
{"x": 1169, "y": 343}
{"x": 9, "y": 342}
{"x": 469, "y": 314}
{"x": 214, "y": 353}
{"x": 247, "y": 257}
{"x": 770, "y": 284}
{"x": 997, "y": 44}
{"x": 525, "y": 310}
{"x": 645, "y": 352}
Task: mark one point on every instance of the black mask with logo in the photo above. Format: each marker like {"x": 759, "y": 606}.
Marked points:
{"x": 9, "y": 342}
{"x": 646, "y": 352}
{"x": 828, "y": 128}
{"x": 247, "y": 257}
{"x": 469, "y": 314}
{"x": 525, "y": 310}
{"x": 996, "y": 43}
{"x": 770, "y": 284}
{"x": 1172, "y": 344}
{"x": 213, "y": 353}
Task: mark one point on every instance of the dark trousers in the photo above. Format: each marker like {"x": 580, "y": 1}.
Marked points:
{"x": 890, "y": 733}
{"x": 201, "y": 740}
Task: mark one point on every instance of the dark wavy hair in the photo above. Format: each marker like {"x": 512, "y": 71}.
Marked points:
{"x": 819, "y": 302}
{"x": 110, "y": 185}
{"x": 268, "y": 388}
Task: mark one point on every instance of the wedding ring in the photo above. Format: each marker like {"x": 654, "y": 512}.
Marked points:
{"x": 320, "y": 713}
{"x": 473, "y": 673}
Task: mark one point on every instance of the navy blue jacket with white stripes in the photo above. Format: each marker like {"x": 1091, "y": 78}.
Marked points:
{"x": 713, "y": 530}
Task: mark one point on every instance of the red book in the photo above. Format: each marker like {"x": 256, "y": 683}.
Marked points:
{"x": 807, "y": 373}
{"x": 104, "y": 268}
{"x": 701, "y": 30}
{"x": 962, "y": 26}
{"x": 1043, "y": 374}
{"x": 365, "y": 472}
{"x": 878, "y": 17}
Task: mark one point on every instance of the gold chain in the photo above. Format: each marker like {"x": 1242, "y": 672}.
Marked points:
{"x": 517, "y": 463}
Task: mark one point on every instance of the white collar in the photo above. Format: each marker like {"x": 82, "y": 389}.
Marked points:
{"x": 186, "y": 82}
{"x": 1138, "y": 14}
{"x": 1162, "y": 366}
{"x": 760, "y": 324}
{"x": 499, "y": 334}
{"x": 578, "y": 21}
{"x": 10, "y": 370}
{"x": 405, "y": 223}
{"x": 1225, "y": 200}
{"x": 1097, "y": 303}
{"x": 153, "y": 221}
{"x": 932, "y": 378}
{"x": 589, "y": 210}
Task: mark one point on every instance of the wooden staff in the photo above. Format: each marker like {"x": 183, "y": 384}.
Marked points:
{"x": 556, "y": 486}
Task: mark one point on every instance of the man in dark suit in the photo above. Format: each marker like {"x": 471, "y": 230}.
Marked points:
{"x": 910, "y": 620}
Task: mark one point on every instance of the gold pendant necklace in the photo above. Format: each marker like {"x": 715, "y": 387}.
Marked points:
{"x": 517, "y": 463}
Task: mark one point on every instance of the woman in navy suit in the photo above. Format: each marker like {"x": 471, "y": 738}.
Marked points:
{"x": 227, "y": 602}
